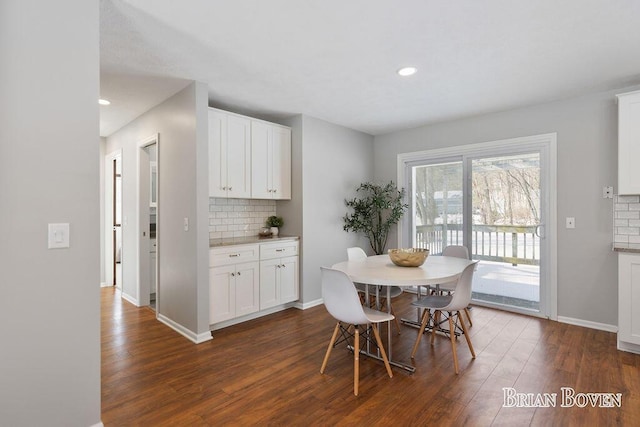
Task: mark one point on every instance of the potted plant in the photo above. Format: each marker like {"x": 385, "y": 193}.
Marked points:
{"x": 379, "y": 208}
{"x": 274, "y": 222}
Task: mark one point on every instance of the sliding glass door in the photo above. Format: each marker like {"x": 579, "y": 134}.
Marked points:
{"x": 495, "y": 202}
{"x": 505, "y": 223}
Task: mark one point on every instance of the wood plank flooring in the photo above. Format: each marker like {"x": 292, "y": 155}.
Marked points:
{"x": 266, "y": 372}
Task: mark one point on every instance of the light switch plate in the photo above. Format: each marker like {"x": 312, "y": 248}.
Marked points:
{"x": 58, "y": 236}
{"x": 571, "y": 222}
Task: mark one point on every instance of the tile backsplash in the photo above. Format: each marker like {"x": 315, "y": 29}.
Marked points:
{"x": 238, "y": 217}
{"x": 626, "y": 221}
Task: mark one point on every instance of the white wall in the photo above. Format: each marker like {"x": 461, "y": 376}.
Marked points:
{"x": 587, "y": 140}
{"x": 181, "y": 122}
{"x": 49, "y": 152}
{"x": 329, "y": 162}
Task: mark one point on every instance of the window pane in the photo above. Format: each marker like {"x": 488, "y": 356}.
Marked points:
{"x": 437, "y": 206}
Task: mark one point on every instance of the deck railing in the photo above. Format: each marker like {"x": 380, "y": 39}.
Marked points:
{"x": 502, "y": 243}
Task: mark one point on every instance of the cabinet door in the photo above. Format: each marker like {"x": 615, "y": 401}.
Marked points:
{"x": 261, "y": 153}
{"x": 217, "y": 154}
{"x": 288, "y": 279}
{"x": 247, "y": 288}
{"x": 269, "y": 272}
{"x": 238, "y": 149}
{"x": 221, "y": 294}
{"x": 281, "y": 163}
{"x": 628, "y": 143}
{"x": 628, "y": 298}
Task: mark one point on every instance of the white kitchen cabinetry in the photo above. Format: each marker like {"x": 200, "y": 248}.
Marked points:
{"x": 278, "y": 274}
{"x": 271, "y": 161}
{"x": 251, "y": 280}
{"x": 233, "y": 282}
{"x": 229, "y": 155}
{"x": 629, "y": 301}
{"x": 628, "y": 143}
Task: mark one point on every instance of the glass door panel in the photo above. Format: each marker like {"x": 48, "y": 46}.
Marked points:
{"x": 505, "y": 216}
{"x": 437, "y": 204}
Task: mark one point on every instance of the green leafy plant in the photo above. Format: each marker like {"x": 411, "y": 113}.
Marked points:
{"x": 274, "y": 221}
{"x": 379, "y": 208}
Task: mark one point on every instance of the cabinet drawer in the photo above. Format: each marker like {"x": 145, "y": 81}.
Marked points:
{"x": 278, "y": 250}
{"x": 233, "y": 255}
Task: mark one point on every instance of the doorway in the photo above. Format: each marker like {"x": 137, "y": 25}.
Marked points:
{"x": 147, "y": 221}
{"x": 497, "y": 200}
{"x": 113, "y": 219}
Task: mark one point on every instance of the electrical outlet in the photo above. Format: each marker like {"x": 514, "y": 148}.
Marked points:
{"x": 607, "y": 192}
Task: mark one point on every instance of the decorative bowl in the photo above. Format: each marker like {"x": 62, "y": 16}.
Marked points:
{"x": 411, "y": 257}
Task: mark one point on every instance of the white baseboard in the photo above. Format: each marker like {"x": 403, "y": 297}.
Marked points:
{"x": 98, "y": 425}
{"x": 105, "y": 285}
{"x": 588, "y": 324}
{"x": 190, "y": 335}
{"x": 629, "y": 347}
{"x": 131, "y": 299}
{"x": 306, "y": 305}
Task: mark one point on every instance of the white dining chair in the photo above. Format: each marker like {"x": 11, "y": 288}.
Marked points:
{"x": 342, "y": 302}
{"x": 458, "y": 252}
{"x": 356, "y": 253}
{"x": 452, "y": 304}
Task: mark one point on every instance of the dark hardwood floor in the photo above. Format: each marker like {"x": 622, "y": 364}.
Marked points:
{"x": 266, "y": 372}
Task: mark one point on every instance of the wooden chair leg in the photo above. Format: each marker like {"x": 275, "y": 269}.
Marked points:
{"x": 356, "y": 360}
{"x": 466, "y": 311}
{"x": 381, "y": 347}
{"x": 331, "y": 343}
{"x": 453, "y": 342}
{"x": 466, "y": 335}
{"x": 436, "y": 324}
{"x": 423, "y": 325}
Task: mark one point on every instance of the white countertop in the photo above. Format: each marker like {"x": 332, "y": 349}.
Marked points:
{"x": 626, "y": 247}
{"x": 249, "y": 240}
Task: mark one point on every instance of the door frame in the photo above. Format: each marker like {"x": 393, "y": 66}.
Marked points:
{"x": 142, "y": 219}
{"x": 547, "y": 144}
{"x": 109, "y": 278}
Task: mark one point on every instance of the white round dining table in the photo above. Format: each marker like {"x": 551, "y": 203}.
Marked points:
{"x": 379, "y": 270}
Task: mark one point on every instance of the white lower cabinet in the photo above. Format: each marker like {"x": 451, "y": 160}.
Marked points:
{"x": 278, "y": 281}
{"x": 629, "y": 301}
{"x": 234, "y": 291}
{"x": 246, "y": 279}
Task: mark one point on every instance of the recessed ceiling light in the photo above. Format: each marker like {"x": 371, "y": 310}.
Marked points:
{"x": 407, "y": 71}
{"x": 103, "y": 102}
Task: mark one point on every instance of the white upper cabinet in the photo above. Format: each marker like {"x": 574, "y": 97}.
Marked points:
{"x": 229, "y": 155}
{"x": 271, "y": 161}
{"x": 628, "y": 143}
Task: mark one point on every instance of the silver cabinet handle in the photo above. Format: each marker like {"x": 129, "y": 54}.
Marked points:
{"x": 280, "y": 250}
{"x": 233, "y": 255}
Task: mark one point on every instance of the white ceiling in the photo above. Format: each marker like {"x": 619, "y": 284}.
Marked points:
{"x": 336, "y": 60}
